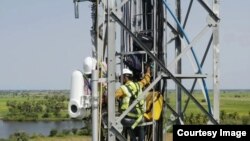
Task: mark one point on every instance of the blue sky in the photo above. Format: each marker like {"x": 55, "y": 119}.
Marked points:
{"x": 41, "y": 43}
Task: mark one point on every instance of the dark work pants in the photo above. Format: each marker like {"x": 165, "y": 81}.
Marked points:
{"x": 140, "y": 133}
{"x": 133, "y": 133}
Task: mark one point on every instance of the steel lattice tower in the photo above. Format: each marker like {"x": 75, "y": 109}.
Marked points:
{"x": 176, "y": 29}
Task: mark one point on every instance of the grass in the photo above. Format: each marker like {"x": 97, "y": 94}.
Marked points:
{"x": 66, "y": 138}
{"x": 230, "y": 102}
{"x": 169, "y": 137}
{"x": 34, "y": 96}
{"x": 3, "y": 101}
{"x": 3, "y": 108}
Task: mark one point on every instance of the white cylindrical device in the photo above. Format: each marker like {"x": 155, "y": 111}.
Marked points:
{"x": 76, "y": 104}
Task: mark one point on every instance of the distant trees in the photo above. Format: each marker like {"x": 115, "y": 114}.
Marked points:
{"x": 23, "y": 136}
{"x": 32, "y": 109}
{"x": 55, "y": 104}
{"x": 196, "y": 118}
{"x": 234, "y": 118}
{"x": 225, "y": 118}
{"x": 19, "y": 136}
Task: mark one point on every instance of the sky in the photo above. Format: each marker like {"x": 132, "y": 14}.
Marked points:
{"x": 41, "y": 43}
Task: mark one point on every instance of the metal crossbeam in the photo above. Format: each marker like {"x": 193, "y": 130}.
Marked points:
{"x": 162, "y": 66}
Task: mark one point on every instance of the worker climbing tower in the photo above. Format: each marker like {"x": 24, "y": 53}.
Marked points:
{"x": 180, "y": 41}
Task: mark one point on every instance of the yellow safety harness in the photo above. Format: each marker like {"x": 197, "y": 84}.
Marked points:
{"x": 132, "y": 91}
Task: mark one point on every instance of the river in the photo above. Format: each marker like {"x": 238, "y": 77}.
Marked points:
{"x": 36, "y": 127}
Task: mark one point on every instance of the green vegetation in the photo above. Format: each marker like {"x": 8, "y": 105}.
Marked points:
{"x": 52, "y": 105}
{"x": 66, "y": 138}
{"x": 55, "y": 135}
{"x": 234, "y": 107}
{"x": 230, "y": 102}
{"x": 34, "y": 105}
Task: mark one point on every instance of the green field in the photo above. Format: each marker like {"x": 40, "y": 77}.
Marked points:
{"x": 234, "y": 104}
{"x": 65, "y": 138}
{"x": 4, "y": 99}
{"x": 230, "y": 101}
{"x": 32, "y": 98}
{"x": 169, "y": 137}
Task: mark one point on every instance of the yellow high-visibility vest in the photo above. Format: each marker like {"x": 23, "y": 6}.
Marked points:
{"x": 132, "y": 91}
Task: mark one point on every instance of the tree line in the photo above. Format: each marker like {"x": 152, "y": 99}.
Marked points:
{"x": 33, "y": 109}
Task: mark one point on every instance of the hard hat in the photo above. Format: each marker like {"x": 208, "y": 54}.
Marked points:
{"x": 89, "y": 64}
{"x": 127, "y": 71}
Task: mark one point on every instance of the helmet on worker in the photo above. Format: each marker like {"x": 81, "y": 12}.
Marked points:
{"x": 127, "y": 75}
{"x": 89, "y": 64}
{"x": 127, "y": 71}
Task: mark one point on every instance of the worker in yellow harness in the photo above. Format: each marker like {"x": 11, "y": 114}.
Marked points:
{"x": 127, "y": 93}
